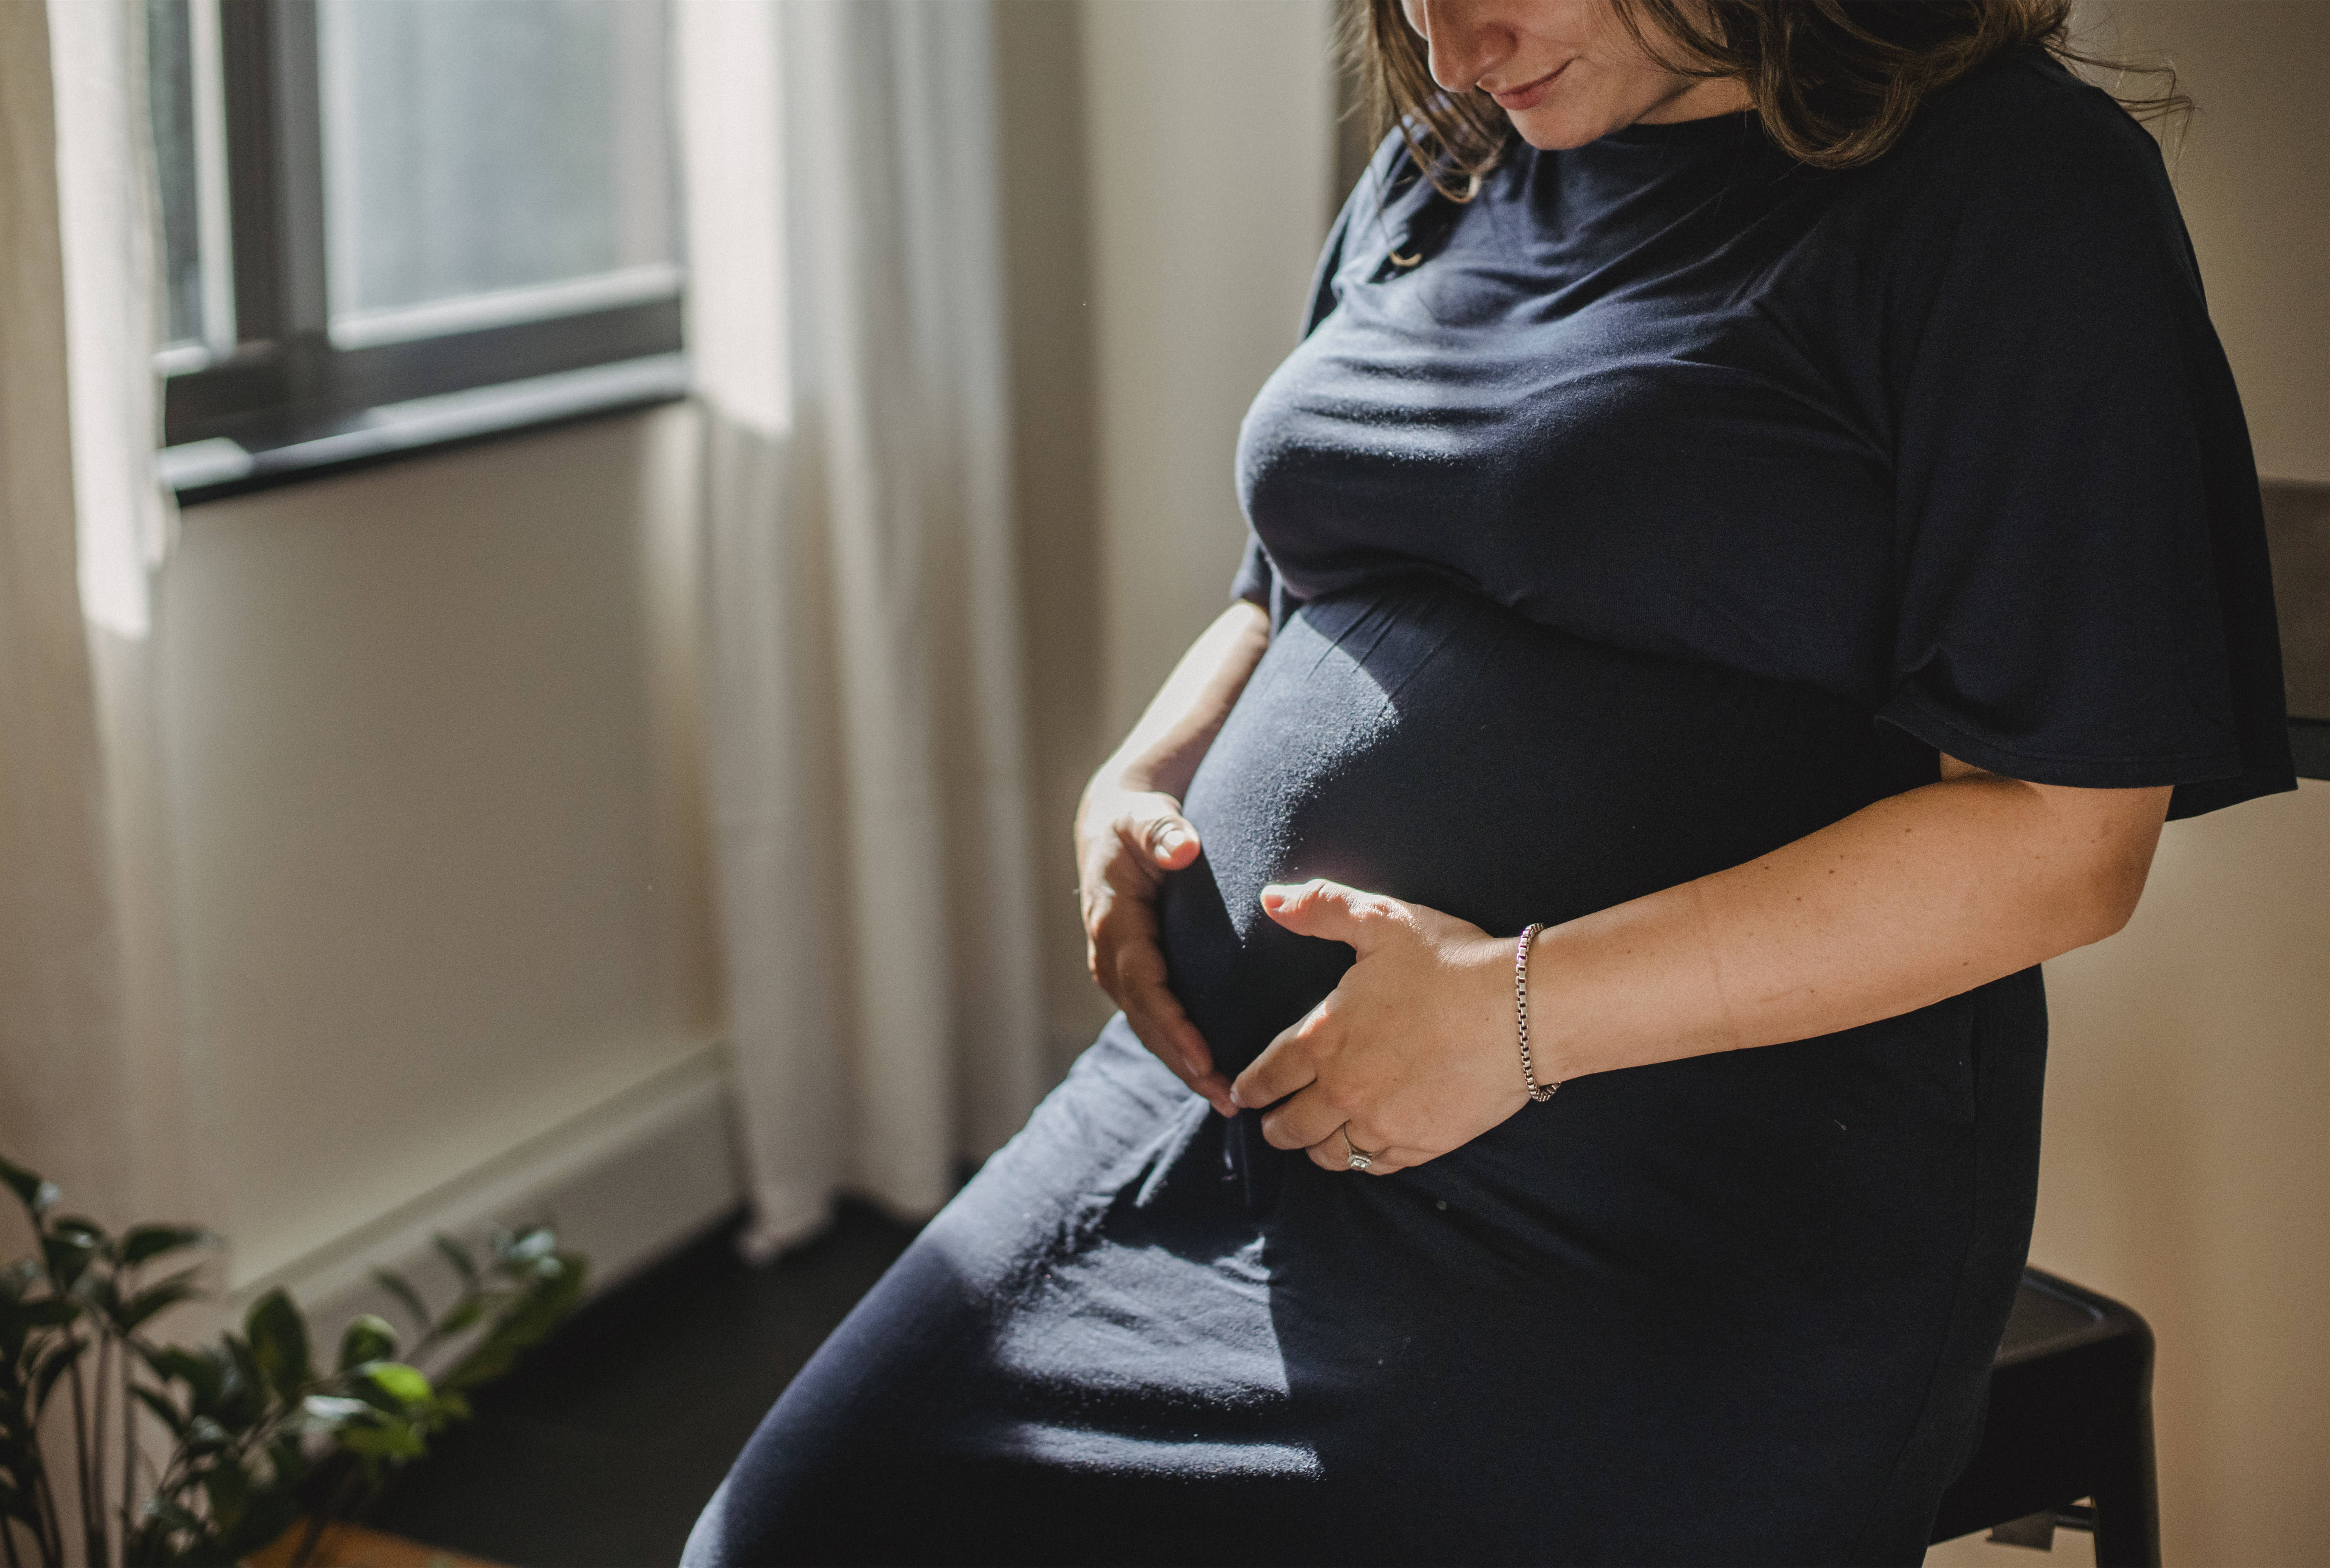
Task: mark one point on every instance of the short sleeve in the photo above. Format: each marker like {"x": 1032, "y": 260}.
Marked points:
{"x": 2084, "y": 596}
{"x": 1254, "y": 576}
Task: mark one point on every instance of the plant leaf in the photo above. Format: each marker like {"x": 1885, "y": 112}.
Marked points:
{"x": 67, "y": 1252}
{"x": 455, "y": 1254}
{"x": 200, "y": 1374}
{"x": 398, "y": 1285}
{"x": 334, "y": 1410}
{"x": 530, "y": 1245}
{"x": 204, "y": 1435}
{"x": 288, "y": 1455}
{"x": 279, "y": 1343}
{"x": 228, "y": 1486}
{"x": 163, "y": 1406}
{"x": 59, "y": 1361}
{"x": 242, "y": 1388}
{"x": 144, "y": 1241}
{"x": 82, "y": 1229}
{"x": 54, "y": 1312}
{"x": 172, "y": 1515}
{"x": 176, "y": 1361}
{"x": 528, "y": 1320}
{"x": 366, "y": 1339}
{"x": 388, "y": 1438}
{"x": 183, "y": 1286}
{"x": 31, "y": 1191}
{"x": 465, "y": 1312}
{"x": 407, "y": 1385}
{"x": 96, "y": 1287}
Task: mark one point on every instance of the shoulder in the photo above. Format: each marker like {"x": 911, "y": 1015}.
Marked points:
{"x": 1379, "y": 207}
{"x": 2022, "y": 130}
{"x": 2023, "y": 175}
{"x": 1391, "y": 177}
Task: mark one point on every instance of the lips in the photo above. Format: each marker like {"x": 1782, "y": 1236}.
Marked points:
{"x": 1530, "y": 94}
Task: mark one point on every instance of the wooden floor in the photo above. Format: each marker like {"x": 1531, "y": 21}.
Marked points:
{"x": 603, "y": 1446}
{"x": 355, "y": 1546}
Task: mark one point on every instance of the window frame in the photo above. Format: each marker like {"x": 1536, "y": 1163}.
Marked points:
{"x": 292, "y": 401}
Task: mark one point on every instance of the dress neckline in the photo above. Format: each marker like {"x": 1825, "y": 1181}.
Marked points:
{"x": 1705, "y": 129}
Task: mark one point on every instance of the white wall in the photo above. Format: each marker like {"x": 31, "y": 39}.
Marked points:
{"x": 1048, "y": 282}
{"x": 2252, "y": 170}
{"x": 430, "y": 725}
{"x": 430, "y": 734}
{"x": 2187, "y": 1165}
{"x": 1209, "y": 158}
{"x": 2187, "y": 1170}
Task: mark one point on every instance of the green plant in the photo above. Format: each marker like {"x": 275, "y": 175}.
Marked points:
{"x": 260, "y": 1436}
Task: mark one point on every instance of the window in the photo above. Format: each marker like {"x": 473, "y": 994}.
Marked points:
{"x": 394, "y": 223}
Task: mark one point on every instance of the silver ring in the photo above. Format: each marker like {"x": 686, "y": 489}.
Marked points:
{"x": 1355, "y": 1157}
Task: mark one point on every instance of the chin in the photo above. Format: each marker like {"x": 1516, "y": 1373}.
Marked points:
{"x": 1551, "y": 130}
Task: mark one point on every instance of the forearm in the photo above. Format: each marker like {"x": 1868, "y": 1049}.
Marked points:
{"x": 1129, "y": 835}
{"x": 1164, "y": 749}
{"x": 1911, "y": 899}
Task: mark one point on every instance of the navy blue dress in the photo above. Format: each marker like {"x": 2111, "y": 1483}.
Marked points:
{"x": 1681, "y": 501}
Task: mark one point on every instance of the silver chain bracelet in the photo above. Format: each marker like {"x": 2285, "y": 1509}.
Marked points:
{"x": 1539, "y": 1092}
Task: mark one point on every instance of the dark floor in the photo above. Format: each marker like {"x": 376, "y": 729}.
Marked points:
{"x": 602, "y": 1446}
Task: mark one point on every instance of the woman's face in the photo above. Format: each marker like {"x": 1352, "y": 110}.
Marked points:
{"x": 1565, "y": 71}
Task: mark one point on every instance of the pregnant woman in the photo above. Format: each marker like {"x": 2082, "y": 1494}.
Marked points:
{"x": 1759, "y": 535}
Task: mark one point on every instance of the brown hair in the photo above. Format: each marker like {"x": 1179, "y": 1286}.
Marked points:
{"x": 1835, "y": 82}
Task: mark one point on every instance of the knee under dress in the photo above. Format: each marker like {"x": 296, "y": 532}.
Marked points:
{"x": 1663, "y": 503}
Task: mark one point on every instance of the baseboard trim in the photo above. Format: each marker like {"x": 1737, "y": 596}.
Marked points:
{"x": 626, "y": 1182}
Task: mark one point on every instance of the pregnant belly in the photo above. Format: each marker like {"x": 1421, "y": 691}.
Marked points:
{"x": 1418, "y": 740}
{"x": 1797, "y": 1226}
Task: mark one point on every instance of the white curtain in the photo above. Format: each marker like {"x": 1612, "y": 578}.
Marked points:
{"x": 92, "y": 1090}
{"x": 869, "y": 775}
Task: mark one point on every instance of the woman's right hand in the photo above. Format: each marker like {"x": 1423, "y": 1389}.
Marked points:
{"x": 1127, "y": 840}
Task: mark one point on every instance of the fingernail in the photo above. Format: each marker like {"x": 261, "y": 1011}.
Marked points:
{"x": 1237, "y": 1098}
{"x": 1272, "y": 897}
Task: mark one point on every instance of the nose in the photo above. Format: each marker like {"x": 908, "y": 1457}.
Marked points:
{"x": 1461, "y": 45}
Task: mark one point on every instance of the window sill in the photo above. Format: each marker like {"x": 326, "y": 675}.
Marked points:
{"x": 209, "y": 470}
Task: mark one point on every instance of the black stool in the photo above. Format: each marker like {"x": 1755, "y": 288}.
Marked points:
{"x": 2071, "y": 1417}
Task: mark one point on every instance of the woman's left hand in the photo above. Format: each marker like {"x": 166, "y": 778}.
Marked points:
{"x": 1412, "y": 1055}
